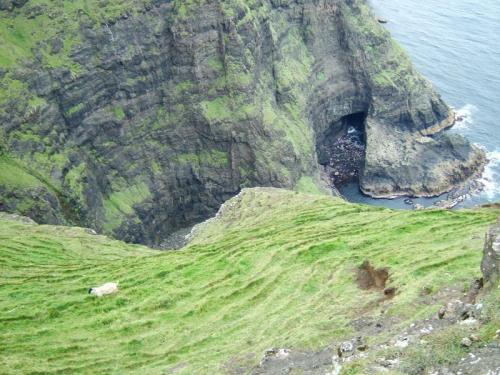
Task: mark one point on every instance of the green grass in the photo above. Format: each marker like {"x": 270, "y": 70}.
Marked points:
{"x": 13, "y": 175}
{"x": 22, "y": 29}
{"x": 75, "y": 109}
{"x": 307, "y": 185}
{"x": 218, "y": 109}
{"x": 442, "y": 348}
{"x": 121, "y": 203}
{"x": 119, "y": 113}
{"x": 213, "y": 158}
{"x": 276, "y": 269}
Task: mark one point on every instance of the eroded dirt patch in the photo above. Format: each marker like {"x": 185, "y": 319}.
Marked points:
{"x": 369, "y": 277}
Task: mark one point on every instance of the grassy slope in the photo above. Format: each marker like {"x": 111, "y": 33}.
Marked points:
{"x": 13, "y": 175}
{"x": 38, "y": 21}
{"x": 274, "y": 271}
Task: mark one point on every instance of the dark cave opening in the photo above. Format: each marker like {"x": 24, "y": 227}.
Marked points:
{"x": 341, "y": 149}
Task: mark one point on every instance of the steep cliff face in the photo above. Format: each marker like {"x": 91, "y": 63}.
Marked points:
{"x": 139, "y": 118}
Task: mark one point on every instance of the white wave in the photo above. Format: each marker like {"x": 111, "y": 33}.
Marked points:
{"x": 465, "y": 117}
{"x": 491, "y": 176}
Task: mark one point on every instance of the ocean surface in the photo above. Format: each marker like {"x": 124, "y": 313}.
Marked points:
{"x": 456, "y": 45}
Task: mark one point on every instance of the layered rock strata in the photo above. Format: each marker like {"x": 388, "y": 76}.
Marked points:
{"x": 141, "y": 118}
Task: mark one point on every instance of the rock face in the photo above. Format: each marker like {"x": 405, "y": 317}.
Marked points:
{"x": 11, "y": 4}
{"x": 142, "y": 118}
{"x": 490, "y": 265}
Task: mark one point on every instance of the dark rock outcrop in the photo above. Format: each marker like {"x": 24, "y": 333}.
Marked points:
{"x": 147, "y": 120}
{"x": 11, "y": 4}
{"x": 490, "y": 265}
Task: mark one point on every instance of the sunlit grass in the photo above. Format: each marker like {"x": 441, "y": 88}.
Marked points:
{"x": 276, "y": 269}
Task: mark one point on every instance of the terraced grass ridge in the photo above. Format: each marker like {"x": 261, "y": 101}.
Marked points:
{"x": 274, "y": 269}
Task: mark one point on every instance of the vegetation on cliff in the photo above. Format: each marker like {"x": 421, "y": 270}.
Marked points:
{"x": 274, "y": 269}
{"x": 139, "y": 118}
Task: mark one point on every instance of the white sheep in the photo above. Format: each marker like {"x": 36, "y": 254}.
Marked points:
{"x": 108, "y": 288}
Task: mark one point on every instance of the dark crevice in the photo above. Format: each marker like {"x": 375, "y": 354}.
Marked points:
{"x": 341, "y": 149}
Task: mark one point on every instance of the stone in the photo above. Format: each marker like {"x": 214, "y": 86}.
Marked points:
{"x": 361, "y": 344}
{"x": 427, "y": 330}
{"x": 473, "y": 292}
{"x": 275, "y": 354}
{"x": 345, "y": 349}
{"x": 466, "y": 311}
{"x": 282, "y": 353}
{"x": 490, "y": 264}
{"x": 11, "y": 4}
{"x": 466, "y": 342}
{"x": 469, "y": 322}
{"x": 474, "y": 337}
{"x": 56, "y": 45}
{"x": 402, "y": 343}
{"x": 337, "y": 368}
{"x": 388, "y": 363}
{"x": 442, "y": 312}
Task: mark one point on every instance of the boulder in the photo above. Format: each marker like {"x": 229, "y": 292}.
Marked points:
{"x": 346, "y": 349}
{"x": 466, "y": 342}
{"x": 442, "y": 312}
{"x": 491, "y": 254}
{"x": 11, "y": 4}
{"x": 402, "y": 342}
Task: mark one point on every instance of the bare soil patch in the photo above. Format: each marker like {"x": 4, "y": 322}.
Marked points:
{"x": 369, "y": 277}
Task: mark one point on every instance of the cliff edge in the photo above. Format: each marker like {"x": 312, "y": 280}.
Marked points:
{"x": 138, "y": 118}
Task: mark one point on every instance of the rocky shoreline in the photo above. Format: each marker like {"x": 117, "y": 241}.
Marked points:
{"x": 447, "y": 123}
{"x": 345, "y": 157}
{"x": 457, "y": 184}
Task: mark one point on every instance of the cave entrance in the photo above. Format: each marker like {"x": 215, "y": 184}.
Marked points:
{"x": 341, "y": 150}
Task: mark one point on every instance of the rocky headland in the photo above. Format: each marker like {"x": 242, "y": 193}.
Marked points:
{"x": 138, "y": 119}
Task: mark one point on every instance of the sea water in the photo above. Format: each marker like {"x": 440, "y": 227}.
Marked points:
{"x": 456, "y": 45}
